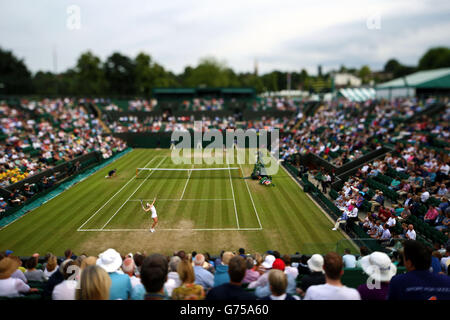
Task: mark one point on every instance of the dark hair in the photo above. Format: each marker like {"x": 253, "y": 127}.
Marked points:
{"x": 31, "y": 263}
{"x": 276, "y": 254}
{"x": 241, "y": 250}
{"x": 181, "y": 254}
{"x": 66, "y": 272}
{"x": 138, "y": 259}
{"x": 418, "y": 254}
{"x": 68, "y": 253}
{"x": 194, "y": 253}
{"x": 287, "y": 259}
{"x": 154, "y": 272}
{"x": 333, "y": 265}
{"x": 237, "y": 268}
{"x": 364, "y": 251}
{"x": 347, "y": 250}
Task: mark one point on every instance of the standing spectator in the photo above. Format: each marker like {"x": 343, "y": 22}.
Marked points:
{"x": 380, "y": 269}
{"x": 66, "y": 289}
{"x": 202, "y": 276}
{"x": 153, "y": 276}
{"x": 278, "y": 283}
{"x": 11, "y": 287}
{"x": 418, "y": 283}
{"x": 221, "y": 276}
{"x": 333, "y": 289}
{"x": 188, "y": 290}
{"x": 33, "y": 274}
{"x": 316, "y": 277}
{"x": 232, "y": 290}
{"x": 110, "y": 260}
{"x": 349, "y": 259}
{"x": 94, "y": 284}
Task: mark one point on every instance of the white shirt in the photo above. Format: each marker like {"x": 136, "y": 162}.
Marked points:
{"x": 65, "y": 290}
{"x": 329, "y": 292}
{"x": 411, "y": 234}
{"x": 292, "y": 271}
{"x": 424, "y": 197}
{"x": 12, "y": 287}
{"x": 386, "y": 234}
{"x": 349, "y": 261}
{"x": 391, "y": 222}
{"x": 153, "y": 210}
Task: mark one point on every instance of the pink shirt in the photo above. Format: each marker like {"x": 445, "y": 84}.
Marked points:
{"x": 431, "y": 214}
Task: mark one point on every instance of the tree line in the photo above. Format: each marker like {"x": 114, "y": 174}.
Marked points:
{"x": 120, "y": 75}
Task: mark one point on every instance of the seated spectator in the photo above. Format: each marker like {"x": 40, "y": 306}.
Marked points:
{"x": 251, "y": 274}
{"x": 263, "y": 289}
{"x": 424, "y": 196}
{"x": 3, "y": 205}
{"x": 377, "y": 200}
{"x": 9, "y": 286}
{"x": 202, "y": 276}
{"x": 110, "y": 260}
{"x": 418, "y": 283}
{"x": 442, "y": 191}
{"x": 94, "y": 284}
{"x": 232, "y": 290}
{"x": 384, "y": 214}
{"x": 289, "y": 269}
{"x": 333, "y": 289}
{"x": 173, "y": 278}
{"x": 411, "y": 233}
{"x": 444, "y": 224}
{"x": 431, "y": 215}
{"x": 315, "y": 264}
{"x": 66, "y": 289}
{"x": 33, "y": 274}
{"x": 278, "y": 283}
{"x": 262, "y": 280}
{"x": 128, "y": 268}
{"x": 56, "y": 278}
{"x": 363, "y": 251}
{"x": 349, "y": 259}
{"x": 376, "y": 231}
{"x": 153, "y": 276}
{"x": 386, "y": 236}
{"x": 51, "y": 266}
{"x": 188, "y": 289}
{"x": 380, "y": 270}
{"x": 20, "y": 272}
{"x": 221, "y": 276}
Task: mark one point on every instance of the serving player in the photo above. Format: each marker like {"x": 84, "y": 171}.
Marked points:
{"x": 151, "y": 207}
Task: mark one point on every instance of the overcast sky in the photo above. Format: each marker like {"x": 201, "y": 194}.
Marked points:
{"x": 282, "y": 35}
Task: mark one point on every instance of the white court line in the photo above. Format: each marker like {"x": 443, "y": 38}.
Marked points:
{"x": 146, "y": 230}
{"x": 133, "y": 193}
{"x": 187, "y": 181}
{"x": 134, "y": 177}
{"x": 251, "y": 198}
{"x": 181, "y": 200}
{"x": 234, "y": 200}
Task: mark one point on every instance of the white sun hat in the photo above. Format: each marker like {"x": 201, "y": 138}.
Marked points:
{"x": 110, "y": 260}
{"x": 315, "y": 263}
{"x": 268, "y": 262}
{"x": 378, "y": 266}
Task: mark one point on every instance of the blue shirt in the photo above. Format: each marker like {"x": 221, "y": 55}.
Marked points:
{"x": 120, "y": 286}
{"x": 203, "y": 277}
{"x": 221, "y": 276}
{"x": 419, "y": 285}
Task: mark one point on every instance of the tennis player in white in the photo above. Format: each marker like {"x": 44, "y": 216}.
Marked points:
{"x": 151, "y": 207}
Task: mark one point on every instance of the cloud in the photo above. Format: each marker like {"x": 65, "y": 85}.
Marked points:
{"x": 285, "y": 35}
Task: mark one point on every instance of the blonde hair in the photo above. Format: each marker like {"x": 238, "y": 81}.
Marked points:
{"x": 89, "y": 261}
{"x": 51, "y": 263}
{"x": 258, "y": 259}
{"x": 94, "y": 284}
{"x": 185, "y": 271}
{"x": 277, "y": 281}
{"x": 227, "y": 257}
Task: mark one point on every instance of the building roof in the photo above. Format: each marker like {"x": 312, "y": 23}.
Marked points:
{"x": 358, "y": 94}
{"x": 437, "y": 78}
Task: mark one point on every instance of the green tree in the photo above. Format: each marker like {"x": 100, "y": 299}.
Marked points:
{"x": 90, "y": 77}
{"x": 120, "y": 73}
{"x": 46, "y": 83}
{"x": 434, "y": 58}
{"x": 15, "y": 78}
{"x": 208, "y": 73}
{"x": 364, "y": 73}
